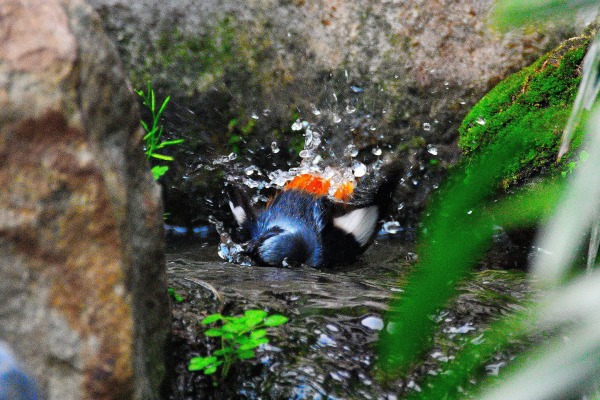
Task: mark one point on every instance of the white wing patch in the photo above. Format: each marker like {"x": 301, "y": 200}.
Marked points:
{"x": 238, "y": 213}
{"x": 359, "y": 223}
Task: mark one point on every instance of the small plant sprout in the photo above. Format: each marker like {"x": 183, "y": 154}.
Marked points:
{"x": 174, "y": 295}
{"x": 240, "y": 336}
{"x": 154, "y": 131}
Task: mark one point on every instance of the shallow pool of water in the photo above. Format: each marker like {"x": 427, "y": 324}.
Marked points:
{"x": 326, "y": 351}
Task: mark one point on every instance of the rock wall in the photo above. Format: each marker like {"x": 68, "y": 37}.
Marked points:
{"x": 398, "y": 75}
{"x": 82, "y": 282}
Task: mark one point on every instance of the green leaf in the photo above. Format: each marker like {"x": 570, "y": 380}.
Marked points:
{"x": 158, "y": 171}
{"x": 257, "y": 334}
{"x": 198, "y": 363}
{"x": 149, "y": 134}
{"x": 228, "y": 336}
{"x": 175, "y": 295}
{"x": 254, "y": 317}
{"x": 161, "y": 157}
{"x": 223, "y": 351}
{"x": 145, "y": 126}
{"x": 169, "y": 143}
{"x": 233, "y": 327}
{"x": 246, "y": 354}
{"x": 248, "y": 346}
{"x": 210, "y": 370}
{"x": 164, "y": 105}
{"x": 253, "y": 343}
{"x": 276, "y": 320}
{"x": 209, "y": 319}
{"x": 213, "y": 332}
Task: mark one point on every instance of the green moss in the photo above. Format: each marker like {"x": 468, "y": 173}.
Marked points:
{"x": 196, "y": 61}
{"x": 536, "y": 99}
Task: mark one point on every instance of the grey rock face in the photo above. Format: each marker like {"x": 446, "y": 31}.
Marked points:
{"x": 82, "y": 282}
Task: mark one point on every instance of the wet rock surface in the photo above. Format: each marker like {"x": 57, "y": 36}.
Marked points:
{"x": 327, "y": 349}
{"x": 82, "y": 285}
{"x": 396, "y": 76}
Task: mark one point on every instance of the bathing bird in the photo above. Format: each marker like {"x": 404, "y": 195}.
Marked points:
{"x": 315, "y": 221}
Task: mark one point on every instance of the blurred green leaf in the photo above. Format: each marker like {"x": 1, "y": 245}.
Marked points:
{"x": 276, "y": 320}
{"x": 198, "y": 363}
{"x": 161, "y": 157}
{"x": 458, "y": 231}
{"x": 258, "y": 334}
{"x": 175, "y": 295}
{"x": 213, "y": 332}
{"x": 245, "y": 354}
{"x": 209, "y": 319}
{"x": 158, "y": 171}
{"x": 514, "y": 13}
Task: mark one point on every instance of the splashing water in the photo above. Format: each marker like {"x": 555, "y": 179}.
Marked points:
{"x": 228, "y": 249}
{"x": 315, "y": 160}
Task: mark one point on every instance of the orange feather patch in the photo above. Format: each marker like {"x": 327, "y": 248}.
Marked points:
{"x": 320, "y": 186}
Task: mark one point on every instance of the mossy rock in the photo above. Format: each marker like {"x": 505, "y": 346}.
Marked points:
{"x": 538, "y": 100}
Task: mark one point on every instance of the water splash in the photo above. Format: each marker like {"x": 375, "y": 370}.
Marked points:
{"x": 431, "y": 149}
{"x": 274, "y": 148}
{"x": 229, "y": 250}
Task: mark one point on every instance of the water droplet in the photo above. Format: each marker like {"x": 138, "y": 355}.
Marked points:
{"x": 254, "y": 116}
{"x": 431, "y": 149}
{"x": 266, "y": 112}
{"x": 232, "y": 156}
{"x": 478, "y": 340}
{"x": 400, "y": 206}
{"x": 350, "y": 151}
{"x": 377, "y": 165}
{"x": 494, "y": 369}
{"x": 480, "y": 120}
{"x": 470, "y": 212}
{"x": 350, "y": 109}
{"x": 391, "y": 227}
{"x": 356, "y": 89}
{"x": 308, "y": 138}
{"x": 336, "y": 119}
{"x": 376, "y": 151}
{"x": 466, "y": 328}
{"x": 359, "y": 169}
{"x": 413, "y": 385}
{"x": 305, "y": 153}
{"x": 274, "y": 148}
{"x": 296, "y": 126}
{"x": 438, "y": 355}
{"x": 325, "y": 340}
{"x": 426, "y": 126}
{"x": 249, "y": 170}
{"x": 373, "y": 323}
{"x": 315, "y": 110}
